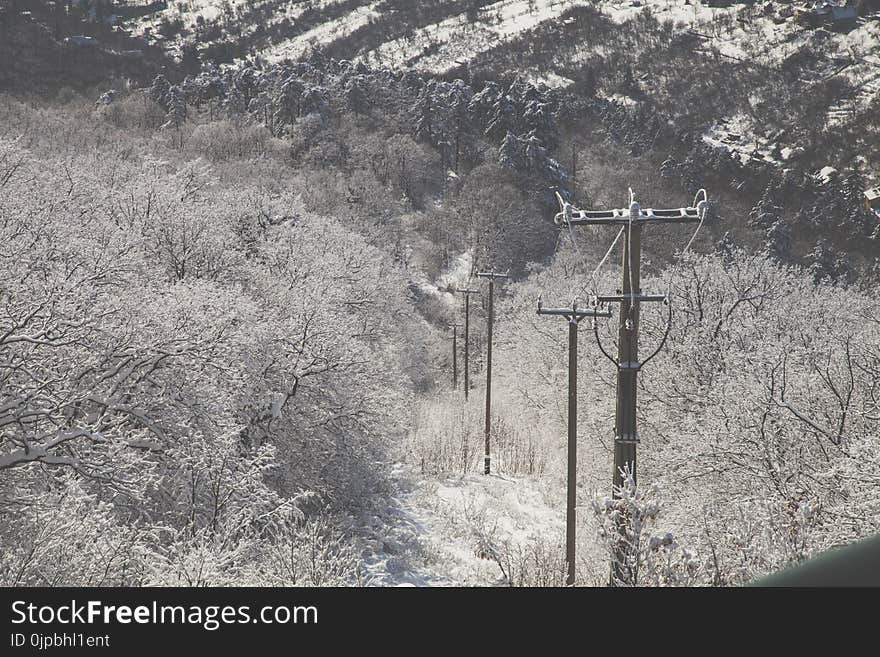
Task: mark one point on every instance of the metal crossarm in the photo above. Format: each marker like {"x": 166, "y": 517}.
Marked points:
{"x": 571, "y": 216}
{"x": 575, "y": 313}
{"x": 618, "y": 298}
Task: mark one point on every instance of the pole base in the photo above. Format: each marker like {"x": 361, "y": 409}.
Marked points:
{"x": 487, "y": 467}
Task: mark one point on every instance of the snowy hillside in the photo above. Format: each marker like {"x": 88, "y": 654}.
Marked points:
{"x": 248, "y": 332}
{"x": 453, "y": 36}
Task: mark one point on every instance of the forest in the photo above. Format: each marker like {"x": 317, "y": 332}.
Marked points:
{"x": 228, "y": 296}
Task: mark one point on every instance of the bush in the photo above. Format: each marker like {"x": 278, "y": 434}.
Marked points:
{"x": 133, "y": 111}
{"x": 447, "y": 436}
{"x": 230, "y": 140}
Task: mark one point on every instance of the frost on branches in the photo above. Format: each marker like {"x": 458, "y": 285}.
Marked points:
{"x": 642, "y": 554}
{"x": 195, "y": 380}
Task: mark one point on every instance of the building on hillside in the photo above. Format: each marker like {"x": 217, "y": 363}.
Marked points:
{"x": 838, "y": 14}
{"x": 872, "y": 200}
{"x": 846, "y": 15}
{"x": 80, "y": 41}
{"x": 826, "y": 175}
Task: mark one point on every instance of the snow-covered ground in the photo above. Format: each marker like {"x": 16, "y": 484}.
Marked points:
{"x": 439, "y": 47}
{"x": 737, "y": 135}
{"x": 324, "y": 33}
{"x": 192, "y": 12}
{"x": 441, "y": 532}
{"x": 458, "y": 275}
{"x": 741, "y": 31}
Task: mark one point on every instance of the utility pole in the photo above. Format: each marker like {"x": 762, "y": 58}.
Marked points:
{"x": 574, "y": 315}
{"x": 455, "y": 356}
{"x": 626, "y": 436}
{"x": 491, "y": 276}
{"x": 467, "y": 330}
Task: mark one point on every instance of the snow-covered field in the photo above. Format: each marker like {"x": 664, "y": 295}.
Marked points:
{"x": 324, "y": 33}
{"x": 738, "y": 32}
{"x": 442, "y": 531}
{"x": 458, "y": 275}
{"x": 439, "y": 47}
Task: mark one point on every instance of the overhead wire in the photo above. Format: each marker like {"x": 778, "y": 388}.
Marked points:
{"x": 702, "y": 207}
{"x": 563, "y": 216}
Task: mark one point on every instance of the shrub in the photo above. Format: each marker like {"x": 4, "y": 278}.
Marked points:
{"x": 229, "y": 140}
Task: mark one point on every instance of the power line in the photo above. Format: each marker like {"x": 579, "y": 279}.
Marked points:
{"x": 592, "y": 281}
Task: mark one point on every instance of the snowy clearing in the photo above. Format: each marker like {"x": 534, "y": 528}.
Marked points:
{"x": 440, "y": 47}
{"x": 324, "y": 33}
{"x": 441, "y": 530}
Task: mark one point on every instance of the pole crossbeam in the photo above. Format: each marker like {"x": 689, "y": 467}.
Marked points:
{"x": 577, "y": 314}
{"x": 492, "y": 276}
{"x": 573, "y": 217}
{"x": 619, "y": 298}
{"x": 574, "y": 315}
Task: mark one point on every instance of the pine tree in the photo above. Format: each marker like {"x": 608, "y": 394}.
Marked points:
{"x": 778, "y": 243}
{"x": 159, "y": 91}
{"x": 423, "y": 128}
{"x": 502, "y": 118}
{"x": 766, "y": 211}
{"x": 458, "y": 101}
{"x": 726, "y": 246}
{"x": 287, "y": 101}
{"x": 511, "y": 154}
{"x": 481, "y": 103}
{"x": 356, "y": 98}
{"x": 538, "y": 118}
{"x": 314, "y": 101}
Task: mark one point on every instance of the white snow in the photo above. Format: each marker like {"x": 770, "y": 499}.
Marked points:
{"x": 323, "y": 33}
{"x": 458, "y": 275}
{"x": 460, "y": 40}
{"x": 438, "y": 527}
{"x": 739, "y": 136}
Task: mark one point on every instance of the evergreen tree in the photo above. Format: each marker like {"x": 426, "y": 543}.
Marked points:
{"x": 766, "y": 211}
{"x": 481, "y": 103}
{"x": 778, "y": 242}
{"x": 511, "y": 154}
{"x": 356, "y": 98}
{"x": 502, "y": 118}
{"x": 458, "y": 101}
{"x": 159, "y": 91}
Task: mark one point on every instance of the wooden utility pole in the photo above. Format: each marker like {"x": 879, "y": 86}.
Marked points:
{"x": 627, "y": 362}
{"x": 574, "y": 315}
{"x": 467, "y": 330}
{"x": 491, "y": 276}
{"x": 455, "y": 356}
